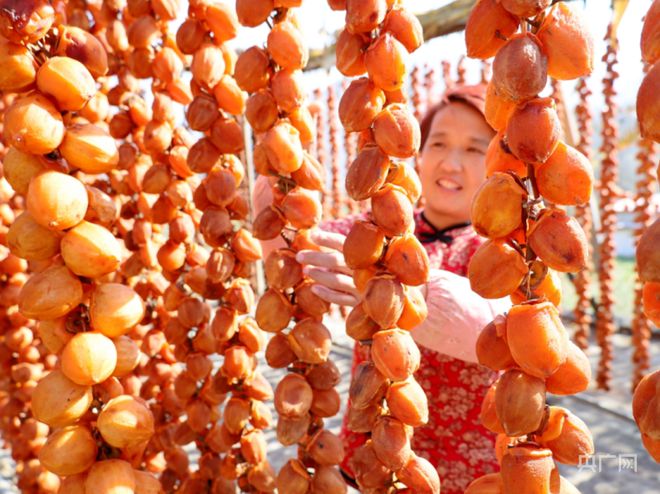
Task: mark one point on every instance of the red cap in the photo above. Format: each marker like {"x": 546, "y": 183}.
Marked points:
{"x": 475, "y": 96}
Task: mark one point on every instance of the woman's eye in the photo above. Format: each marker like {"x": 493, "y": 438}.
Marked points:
{"x": 438, "y": 144}
{"x": 476, "y": 150}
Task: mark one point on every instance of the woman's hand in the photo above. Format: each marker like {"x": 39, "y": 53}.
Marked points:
{"x": 334, "y": 280}
{"x": 456, "y": 316}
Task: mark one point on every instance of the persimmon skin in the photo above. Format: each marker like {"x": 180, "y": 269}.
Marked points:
{"x": 500, "y": 159}
{"x": 651, "y": 34}
{"x": 29, "y": 240}
{"x": 496, "y": 206}
{"x": 90, "y": 250}
{"x": 566, "y": 177}
{"x": 528, "y": 469}
{"x": 360, "y": 104}
{"x": 126, "y": 421}
{"x": 52, "y": 209}
{"x": 115, "y": 309}
{"x": 386, "y": 61}
{"x": 533, "y": 130}
{"x": 50, "y": 294}
{"x": 519, "y": 402}
{"x": 537, "y": 338}
{"x": 363, "y": 16}
{"x": 520, "y": 68}
{"x": 487, "y": 29}
{"x": 560, "y": 241}
{"x": 396, "y": 131}
{"x": 33, "y": 125}
{"x": 567, "y": 42}
{"x": 496, "y": 269}
{"x": 525, "y": 8}
{"x": 651, "y": 301}
{"x": 648, "y": 106}
{"x": 20, "y": 67}
{"x": 67, "y": 81}
{"x": 498, "y": 108}
{"x": 89, "y": 358}
{"x": 68, "y": 451}
{"x": 364, "y": 245}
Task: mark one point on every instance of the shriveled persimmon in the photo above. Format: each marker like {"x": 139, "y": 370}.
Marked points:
{"x": 419, "y": 475}
{"x": 497, "y": 108}
{"x": 492, "y": 348}
{"x": 89, "y": 358}
{"x": 405, "y": 27}
{"x": 67, "y": 81}
{"x": 367, "y": 173}
{"x": 115, "y": 309}
{"x": 537, "y": 338}
{"x": 395, "y": 354}
{"x": 520, "y": 68}
{"x": 391, "y": 442}
{"x": 647, "y": 105}
{"x": 528, "y": 469}
{"x": 533, "y": 130}
{"x": 364, "y": 245}
{"x": 360, "y": 104}
{"x": 407, "y": 402}
{"x": 560, "y": 241}
{"x": 487, "y": 28}
{"x": 519, "y": 402}
{"x": 386, "y": 60}
{"x": 406, "y": 258}
{"x": 573, "y": 376}
{"x": 499, "y": 158}
{"x": 396, "y": 131}
{"x": 566, "y": 436}
{"x": 383, "y": 300}
{"x": 286, "y": 46}
{"x": 567, "y": 42}
{"x": 350, "y": 53}
{"x": 392, "y": 210}
{"x": 293, "y": 396}
{"x": 496, "y": 269}
{"x": 50, "y": 294}
{"x": 566, "y": 177}
{"x": 497, "y": 205}
{"x": 32, "y": 124}
{"x": 52, "y": 209}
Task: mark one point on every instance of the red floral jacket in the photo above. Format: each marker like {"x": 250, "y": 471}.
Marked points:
{"x": 454, "y": 440}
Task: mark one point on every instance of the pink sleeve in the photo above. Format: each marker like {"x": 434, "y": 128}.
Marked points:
{"x": 456, "y": 316}
{"x": 262, "y": 194}
{"x": 341, "y": 225}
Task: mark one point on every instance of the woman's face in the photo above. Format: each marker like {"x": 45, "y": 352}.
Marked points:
{"x": 452, "y": 161}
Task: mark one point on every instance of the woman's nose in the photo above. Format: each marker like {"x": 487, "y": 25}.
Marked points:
{"x": 451, "y": 161}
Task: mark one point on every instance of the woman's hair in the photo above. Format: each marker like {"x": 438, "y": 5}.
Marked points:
{"x": 473, "y": 96}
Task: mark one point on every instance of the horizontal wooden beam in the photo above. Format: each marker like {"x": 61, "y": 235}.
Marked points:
{"x": 438, "y": 22}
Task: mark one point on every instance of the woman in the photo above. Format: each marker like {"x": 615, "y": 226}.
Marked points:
{"x": 455, "y": 137}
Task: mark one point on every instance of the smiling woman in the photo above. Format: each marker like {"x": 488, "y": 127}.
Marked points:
{"x": 454, "y": 141}
{"x": 455, "y": 137}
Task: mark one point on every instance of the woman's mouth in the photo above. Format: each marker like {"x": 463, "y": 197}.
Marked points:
{"x": 448, "y": 184}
